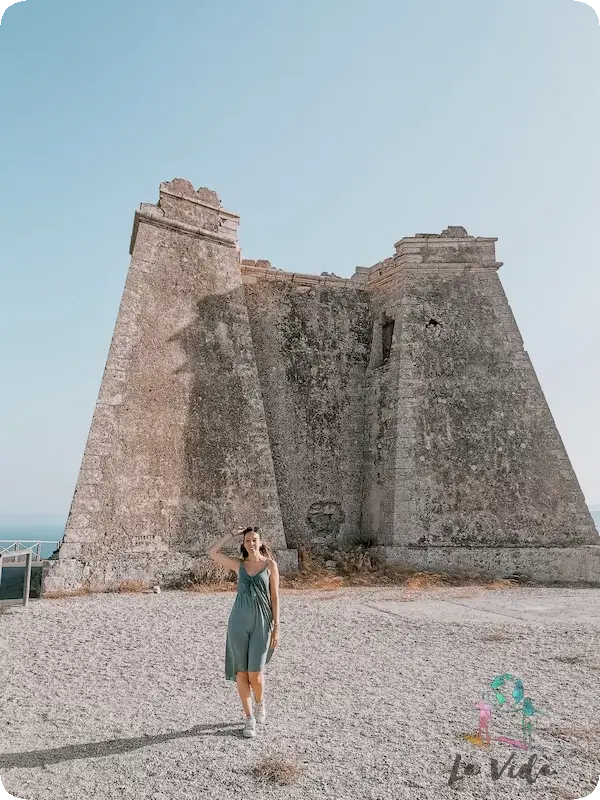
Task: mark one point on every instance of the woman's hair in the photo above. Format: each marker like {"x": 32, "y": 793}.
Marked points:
{"x": 262, "y": 549}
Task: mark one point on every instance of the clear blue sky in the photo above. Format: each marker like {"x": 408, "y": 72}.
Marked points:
{"x": 334, "y": 128}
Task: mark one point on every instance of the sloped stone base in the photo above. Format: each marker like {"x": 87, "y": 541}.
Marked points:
{"x": 70, "y": 574}
{"x": 557, "y": 565}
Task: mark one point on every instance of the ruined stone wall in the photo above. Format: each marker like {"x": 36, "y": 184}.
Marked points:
{"x": 312, "y": 346}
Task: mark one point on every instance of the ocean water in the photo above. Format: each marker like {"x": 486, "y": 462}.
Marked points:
{"x": 52, "y": 533}
{"x": 27, "y": 530}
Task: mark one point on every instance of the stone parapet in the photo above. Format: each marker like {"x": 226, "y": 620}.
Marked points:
{"x": 188, "y": 211}
{"x": 452, "y": 250}
{"x": 453, "y": 239}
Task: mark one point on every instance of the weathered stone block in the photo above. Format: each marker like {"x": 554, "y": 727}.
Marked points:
{"x": 287, "y": 561}
{"x": 70, "y": 549}
{"x": 561, "y": 565}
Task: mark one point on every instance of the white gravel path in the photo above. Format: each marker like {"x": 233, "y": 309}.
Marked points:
{"x": 124, "y": 696}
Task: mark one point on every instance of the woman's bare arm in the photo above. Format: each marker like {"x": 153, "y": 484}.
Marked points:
{"x": 214, "y": 551}
{"x": 274, "y": 588}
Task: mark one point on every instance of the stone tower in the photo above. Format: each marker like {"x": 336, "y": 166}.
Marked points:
{"x": 397, "y": 408}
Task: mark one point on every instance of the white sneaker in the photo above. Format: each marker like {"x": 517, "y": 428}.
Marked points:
{"x": 250, "y": 726}
{"x": 260, "y": 712}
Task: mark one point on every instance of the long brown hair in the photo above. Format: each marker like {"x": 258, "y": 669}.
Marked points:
{"x": 263, "y": 549}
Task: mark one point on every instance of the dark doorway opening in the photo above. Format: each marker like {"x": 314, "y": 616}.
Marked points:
{"x": 387, "y": 334}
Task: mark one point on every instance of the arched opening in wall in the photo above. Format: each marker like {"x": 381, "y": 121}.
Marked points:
{"x": 387, "y": 334}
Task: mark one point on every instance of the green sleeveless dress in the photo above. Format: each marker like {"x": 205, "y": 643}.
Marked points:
{"x": 247, "y": 648}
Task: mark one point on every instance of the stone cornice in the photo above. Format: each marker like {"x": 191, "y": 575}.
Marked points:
{"x": 156, "y": 217}
{"x": 442, "y": 240}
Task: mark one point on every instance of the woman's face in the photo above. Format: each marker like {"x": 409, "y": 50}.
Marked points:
{"x": 252, "y": 543}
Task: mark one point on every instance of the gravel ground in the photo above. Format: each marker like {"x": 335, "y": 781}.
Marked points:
{"x": 124, "y": 696}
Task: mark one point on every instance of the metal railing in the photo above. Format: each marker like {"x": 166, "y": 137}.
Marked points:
{"x": 30, "y": 549}
{"x": 15, "y": 548}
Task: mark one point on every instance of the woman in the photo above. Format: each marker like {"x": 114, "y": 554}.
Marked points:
{"x": 253, "y": 626}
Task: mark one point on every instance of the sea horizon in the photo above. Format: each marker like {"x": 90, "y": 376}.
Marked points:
{"x": 33, "y": 527}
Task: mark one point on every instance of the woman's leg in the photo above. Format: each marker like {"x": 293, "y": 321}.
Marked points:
{"x": 257, "y": 654}
{"x": 257, "y": 681}
{"x": 243, "y": 685}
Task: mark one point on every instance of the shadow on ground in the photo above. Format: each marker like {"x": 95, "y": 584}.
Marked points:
{"x": 40, "y": 758}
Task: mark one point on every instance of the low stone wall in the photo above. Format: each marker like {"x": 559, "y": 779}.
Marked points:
{"x": 564, "y": 565}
